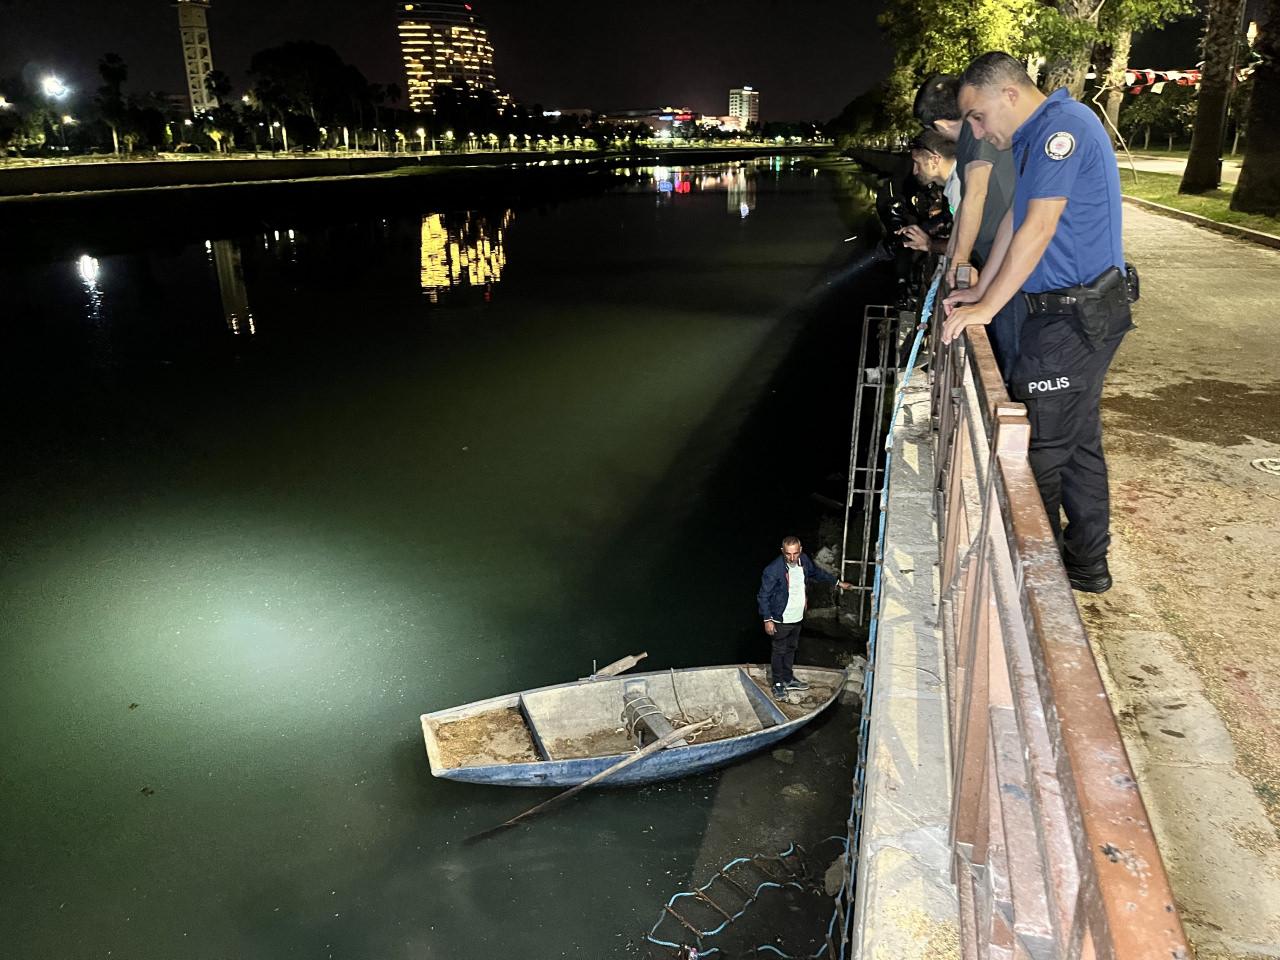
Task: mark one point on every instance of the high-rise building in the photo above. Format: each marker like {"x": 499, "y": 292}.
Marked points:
{"x": 744, "y": 103}
{"x": 193, "y": 24}
{"x": 444, "y": 44}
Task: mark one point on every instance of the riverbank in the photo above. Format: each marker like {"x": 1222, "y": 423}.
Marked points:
{"x": 79, "y": 179}
{"x": 59, "y": 223}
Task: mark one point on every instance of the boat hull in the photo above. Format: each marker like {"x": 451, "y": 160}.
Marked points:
{"x": 678, "y": 761}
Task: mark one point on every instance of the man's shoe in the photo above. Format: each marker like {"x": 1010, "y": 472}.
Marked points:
{"x": 794, "y": 684}
{"x": 1090, "y": 577}
{"x": 780, "y": 692}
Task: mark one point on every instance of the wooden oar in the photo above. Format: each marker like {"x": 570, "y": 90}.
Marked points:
{"x": 659, "y": 744}
{"x": 617, "y": 667}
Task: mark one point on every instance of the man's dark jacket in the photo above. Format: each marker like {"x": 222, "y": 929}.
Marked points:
{"x": 772, "y": 598}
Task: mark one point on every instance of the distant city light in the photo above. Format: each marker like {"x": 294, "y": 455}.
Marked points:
{"x": 67, "y": 118}
{"x": 54, "y": 87}
{"x": 5, "y": 104}
{"x": 88, "y": 269}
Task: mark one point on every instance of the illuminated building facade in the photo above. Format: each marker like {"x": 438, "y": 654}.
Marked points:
{"x": 193, "y": 24}
{"x": 444, "y": 44}
{"x": 744, "y": 103}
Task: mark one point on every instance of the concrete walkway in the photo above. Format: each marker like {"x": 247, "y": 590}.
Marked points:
{"x": 1154, "y": 163}
{"x": 1187, "y": 638}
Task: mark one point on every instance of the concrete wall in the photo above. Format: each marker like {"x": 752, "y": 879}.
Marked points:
{"x": 906, "y": 906}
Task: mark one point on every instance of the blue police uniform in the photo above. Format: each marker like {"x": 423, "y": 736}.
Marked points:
{"x": 1062, "y": 151}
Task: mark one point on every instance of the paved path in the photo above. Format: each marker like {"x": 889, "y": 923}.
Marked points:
{"x": 1166, "y": 164}
{"x": 1188, "y": 636}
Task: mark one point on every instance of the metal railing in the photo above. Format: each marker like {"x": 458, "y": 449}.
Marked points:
{"x": 1053, "y": 853}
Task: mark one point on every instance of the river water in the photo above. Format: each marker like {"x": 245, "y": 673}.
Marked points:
{"x": 270, "y": 496}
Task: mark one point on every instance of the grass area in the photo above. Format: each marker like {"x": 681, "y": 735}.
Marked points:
{"x": 1158, "y": 148}
{"x": 1163, "y": 188}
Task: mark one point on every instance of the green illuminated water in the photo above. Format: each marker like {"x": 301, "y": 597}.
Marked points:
{"x": 238, "y": 564}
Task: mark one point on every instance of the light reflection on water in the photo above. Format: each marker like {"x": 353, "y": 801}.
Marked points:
{"x": 240, "y": 566}
{"x": 466, "y": 249}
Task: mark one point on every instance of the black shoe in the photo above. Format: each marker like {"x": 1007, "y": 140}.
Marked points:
{"x": 794, "y": 684}
{"x": 1090, "y": 577}
{"x": 780, "y": 693}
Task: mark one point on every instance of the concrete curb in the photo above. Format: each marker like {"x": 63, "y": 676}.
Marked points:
{"x": 1230, "y": 229}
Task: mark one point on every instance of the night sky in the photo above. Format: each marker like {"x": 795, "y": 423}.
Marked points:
{"x": 808, "y": 58}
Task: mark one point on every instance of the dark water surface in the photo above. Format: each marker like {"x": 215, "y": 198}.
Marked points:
{"x": 269, "y": 498}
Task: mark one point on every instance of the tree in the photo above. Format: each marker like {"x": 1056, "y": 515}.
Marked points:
{"x": 1170, "y": 113}
{"x": 300, "y": 77}
{"x": 1065, "y": 35}
{"x": 218, "y": 85}
{"x": 110, "y": 99}
{"x": 1259, "y": 188}
{"x": 945, "y": 36}
{"x": 1117, "y": 24}
{"x": 1221, "y": 37}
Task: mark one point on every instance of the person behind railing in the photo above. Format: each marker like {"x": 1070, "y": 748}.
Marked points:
{"x": 1059, "y": 248}
{"x": 985, "y": 176}
{"x": 933, "y": 161}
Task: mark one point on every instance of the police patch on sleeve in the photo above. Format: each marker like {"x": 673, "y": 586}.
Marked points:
{"x": 1060, "y": 145}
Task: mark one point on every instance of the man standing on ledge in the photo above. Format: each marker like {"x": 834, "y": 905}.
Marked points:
{"x": 1060, "y": 249}
{"x": 782, "y": 600}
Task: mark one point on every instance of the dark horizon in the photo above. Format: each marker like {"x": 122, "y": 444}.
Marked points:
{"x": 593, "y": 55}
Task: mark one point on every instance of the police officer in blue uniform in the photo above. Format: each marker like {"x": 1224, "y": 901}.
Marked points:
{"x": 1059, "y": 249}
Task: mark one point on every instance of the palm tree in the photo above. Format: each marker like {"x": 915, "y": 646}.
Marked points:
{"x": 1221, "y": 35}
{"x": 1259, "y": 188}
{"x": 111, "y": 103}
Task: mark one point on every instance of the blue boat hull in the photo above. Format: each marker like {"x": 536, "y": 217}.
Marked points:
{"x": 680, "y": 760}
{"x": 663, "y": 765}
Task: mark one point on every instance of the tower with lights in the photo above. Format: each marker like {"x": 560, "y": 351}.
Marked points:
{"x": 744, "y": 103}
{"x": 444, "y": 44}
{"x": 193, "y": 24}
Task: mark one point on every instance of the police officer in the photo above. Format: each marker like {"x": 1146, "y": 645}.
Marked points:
{"x": 1059, "y": 248}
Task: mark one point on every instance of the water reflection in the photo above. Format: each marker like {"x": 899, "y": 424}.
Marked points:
{"x": 229, "y": 268}
{"x": 738, "y": 183}
{"x": 89, "y": 270}
{"x": 462, "y": 251}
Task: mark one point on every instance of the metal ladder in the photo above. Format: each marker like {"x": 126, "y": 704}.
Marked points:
{"x": 866, "y": 450}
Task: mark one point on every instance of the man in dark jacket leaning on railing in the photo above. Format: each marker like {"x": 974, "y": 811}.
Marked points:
{"x": 782, "y": 600}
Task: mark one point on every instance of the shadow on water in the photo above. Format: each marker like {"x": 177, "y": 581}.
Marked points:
{"x": 262, "y": 475}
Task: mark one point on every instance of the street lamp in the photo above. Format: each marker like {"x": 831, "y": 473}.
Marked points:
{"x": 54, "y": 87}
{"x": 422, "y": 139}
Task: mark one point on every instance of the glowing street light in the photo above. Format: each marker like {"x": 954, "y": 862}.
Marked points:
{"x": 422, "y": 139}
{"x": 53, "y": 87}
{"x": 5, "y": 104}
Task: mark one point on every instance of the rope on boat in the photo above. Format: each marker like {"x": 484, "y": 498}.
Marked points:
{"x": 674, "y": 689}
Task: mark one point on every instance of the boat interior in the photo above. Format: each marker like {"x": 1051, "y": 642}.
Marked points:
{"x": 614, "y": 716}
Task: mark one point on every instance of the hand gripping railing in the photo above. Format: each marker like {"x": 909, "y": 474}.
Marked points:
{"x": 1052, "y": 851}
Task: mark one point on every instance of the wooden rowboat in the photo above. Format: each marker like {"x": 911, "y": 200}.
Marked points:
{"x": 564, "y": 734}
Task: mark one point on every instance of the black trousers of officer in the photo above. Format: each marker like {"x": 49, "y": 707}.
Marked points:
{"x": 1059, "y": 376}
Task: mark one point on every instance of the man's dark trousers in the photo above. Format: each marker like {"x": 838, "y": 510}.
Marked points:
{"x": 786, "y": 637}
{"x": 1066, "y": 430}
